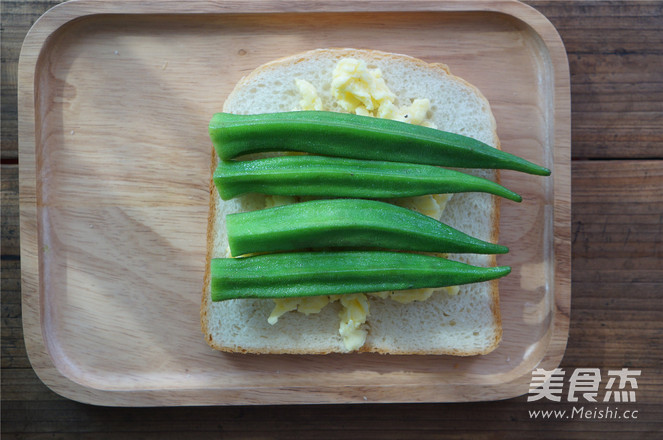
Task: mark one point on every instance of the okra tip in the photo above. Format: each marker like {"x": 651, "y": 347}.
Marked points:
{"x": 499, "y": 272}
{"x": 541, "y": 171}
{"x": 513, "y": 196}
{"x": 499, "y": 249}
{"x": 506, "y": 270}
{"x": 499, "y": 190}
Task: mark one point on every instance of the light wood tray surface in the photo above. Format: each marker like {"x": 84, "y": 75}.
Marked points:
{"x": 114, "y": 102}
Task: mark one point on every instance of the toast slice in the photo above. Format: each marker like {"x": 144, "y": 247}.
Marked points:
{"x": 463, "y": 324}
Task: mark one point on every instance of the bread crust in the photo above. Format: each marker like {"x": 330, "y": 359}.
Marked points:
{"x": 340, "y": 53}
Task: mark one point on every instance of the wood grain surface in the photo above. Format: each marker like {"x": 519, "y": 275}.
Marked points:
{"x": 615, "y": 55}
{"x": 114, "y": 207}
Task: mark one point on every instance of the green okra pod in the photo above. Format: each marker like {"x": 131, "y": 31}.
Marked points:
{"x": 348, "y": 223}
{"x": 300, "y": 274}
{"x": 360, "y": 137}
{"x": 320, "y": 176}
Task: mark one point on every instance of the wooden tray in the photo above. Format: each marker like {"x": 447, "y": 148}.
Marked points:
{"x": 115, "y": 98}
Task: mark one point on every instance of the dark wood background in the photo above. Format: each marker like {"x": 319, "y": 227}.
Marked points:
{"x": 615, "y": 51}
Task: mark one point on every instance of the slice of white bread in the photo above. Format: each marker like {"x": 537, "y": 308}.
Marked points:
{"x": 464, "y": 324}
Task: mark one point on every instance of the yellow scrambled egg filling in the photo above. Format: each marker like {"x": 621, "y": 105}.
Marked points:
{"x": 360, "y": 90}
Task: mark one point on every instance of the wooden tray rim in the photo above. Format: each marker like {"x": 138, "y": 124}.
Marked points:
{"x": 32, "y": 305}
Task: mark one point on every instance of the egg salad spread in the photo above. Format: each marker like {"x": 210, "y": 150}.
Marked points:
{"x": 358, "y": 89}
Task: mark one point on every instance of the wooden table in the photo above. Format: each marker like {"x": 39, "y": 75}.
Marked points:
{"x": 615, "y": 52}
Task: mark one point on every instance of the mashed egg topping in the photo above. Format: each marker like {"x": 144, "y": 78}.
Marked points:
{"x": 356, "y": 88}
